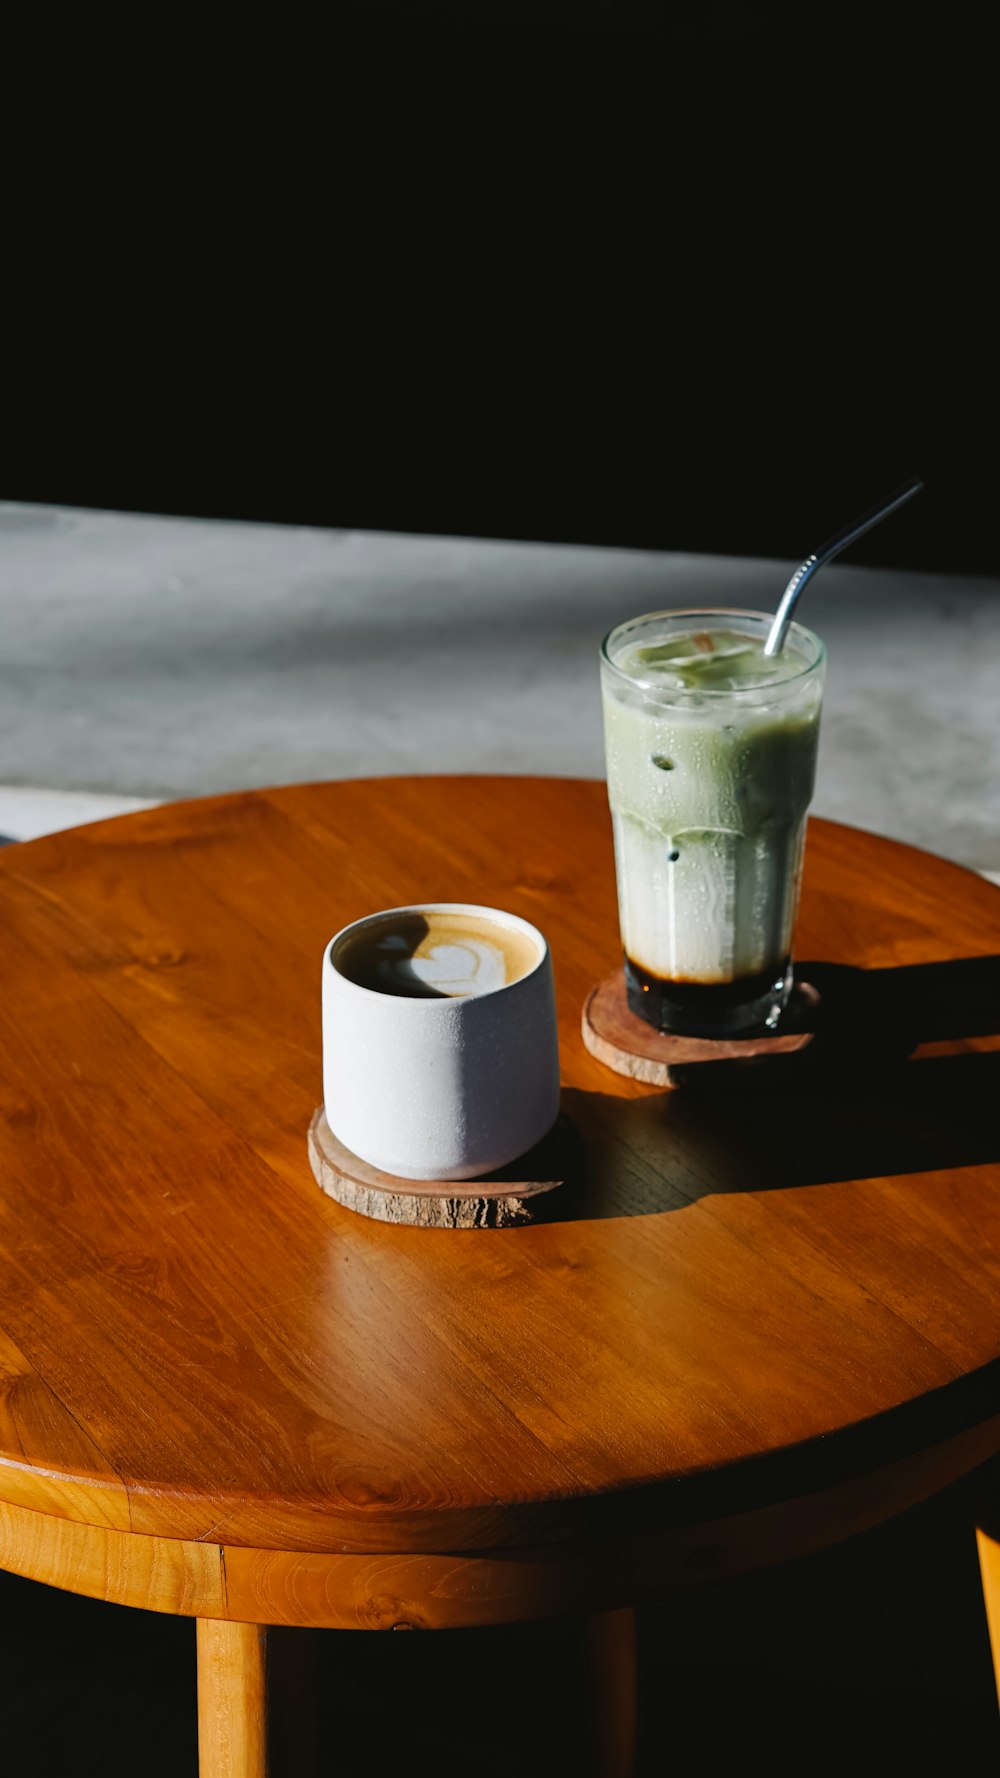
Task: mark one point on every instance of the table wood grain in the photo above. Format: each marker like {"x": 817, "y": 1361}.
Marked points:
{"x": 773, "y": 1299}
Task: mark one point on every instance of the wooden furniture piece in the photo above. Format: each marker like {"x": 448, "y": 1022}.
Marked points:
{"x": 765, "y": 1319}
{"x": 624, "y": 1041}
{"x": 517, "y": 1193}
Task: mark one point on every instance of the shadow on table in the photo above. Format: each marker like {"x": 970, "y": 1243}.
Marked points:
{"x": 855, "y": 1104}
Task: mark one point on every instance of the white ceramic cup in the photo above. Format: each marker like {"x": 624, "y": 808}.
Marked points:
{"x": 444, "y": 1088}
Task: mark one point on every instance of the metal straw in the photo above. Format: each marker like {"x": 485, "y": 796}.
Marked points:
{"x": 783, "y": 616}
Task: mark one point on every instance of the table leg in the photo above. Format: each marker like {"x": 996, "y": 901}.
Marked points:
{"x": 989, "y": 1569}
{"x": 258, "y": 1701}
{"x": 232, "y": 1700}
{"x": 611, "y": 1645}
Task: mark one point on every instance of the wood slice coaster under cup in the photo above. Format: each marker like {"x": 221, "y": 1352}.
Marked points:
{"x": 518, "y": 1193}
{"x": 620, "y": 1039}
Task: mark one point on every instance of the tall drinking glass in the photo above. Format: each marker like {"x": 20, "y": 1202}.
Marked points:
{"x": 711, "y": 755}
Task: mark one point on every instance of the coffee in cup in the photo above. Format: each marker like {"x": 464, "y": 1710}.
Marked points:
{"x": 440, "y": 1050}
{"x": 436, "y": 955}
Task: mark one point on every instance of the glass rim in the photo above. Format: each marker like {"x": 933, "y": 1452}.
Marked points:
{"x": 673, "y": 693}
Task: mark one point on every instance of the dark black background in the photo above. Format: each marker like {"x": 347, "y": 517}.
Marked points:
{"x": 700, "y": 276}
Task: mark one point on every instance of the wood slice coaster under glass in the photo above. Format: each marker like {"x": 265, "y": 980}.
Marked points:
{"x": 620, "y": 1039}
{"x": 515, "y": 1194}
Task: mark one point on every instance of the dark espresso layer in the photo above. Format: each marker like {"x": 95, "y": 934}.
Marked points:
{"x": 696, "y": 1008}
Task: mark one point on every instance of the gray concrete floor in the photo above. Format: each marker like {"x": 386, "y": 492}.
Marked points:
{"x": 155, "y": 657}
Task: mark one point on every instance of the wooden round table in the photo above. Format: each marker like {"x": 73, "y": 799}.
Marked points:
{"x": 765, "y": 1318}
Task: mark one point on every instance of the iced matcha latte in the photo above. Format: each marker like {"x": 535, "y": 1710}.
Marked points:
{"x": 711, "y": 752}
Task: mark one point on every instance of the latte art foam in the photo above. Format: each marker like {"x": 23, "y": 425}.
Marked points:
{"x": 473, "y": 966}
{"x": 436, "y": 956}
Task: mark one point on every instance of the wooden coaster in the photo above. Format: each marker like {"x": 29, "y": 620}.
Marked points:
{"x": 500, "y": 1200}
{"x": 621, "y": 1040}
